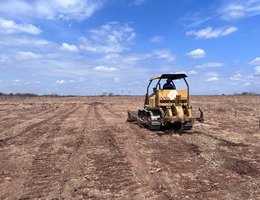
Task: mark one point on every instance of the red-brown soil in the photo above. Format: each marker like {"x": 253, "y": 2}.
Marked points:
{"x": 83, "y": 148}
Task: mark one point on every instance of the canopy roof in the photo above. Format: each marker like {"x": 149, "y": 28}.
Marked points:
{"x": 171, "y": 76}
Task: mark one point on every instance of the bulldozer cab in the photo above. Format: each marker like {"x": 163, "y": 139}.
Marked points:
{"x": 160, "y": 96}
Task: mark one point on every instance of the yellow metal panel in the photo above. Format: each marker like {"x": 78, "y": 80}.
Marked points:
{"x": 170, "y": 95}
{"x": 152, "y": 101}
{"x": 190, "y": 112}
{"x": 163, "y": 95}
{"x": 179, "y": 111}
{"x": 183, "y": 93}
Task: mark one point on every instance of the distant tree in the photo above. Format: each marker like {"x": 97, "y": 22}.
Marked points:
{"x": 25, "y": 94}
{"x": 247, "y": 93}
{"x": 110, "y": 94}
{"x": 104, "y": 94}
{"x": 50, "y": 95}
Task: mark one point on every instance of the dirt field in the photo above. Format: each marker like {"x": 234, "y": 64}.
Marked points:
{"x": 82, "y": 148}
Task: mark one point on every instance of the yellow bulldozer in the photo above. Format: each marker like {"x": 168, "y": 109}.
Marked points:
{"x": 166, "y": 107}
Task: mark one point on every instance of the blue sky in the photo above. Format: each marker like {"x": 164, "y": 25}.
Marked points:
{"x": 88, "y": 47}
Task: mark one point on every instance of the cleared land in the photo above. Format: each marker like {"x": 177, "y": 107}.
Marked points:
{"x": 82, "y": 148}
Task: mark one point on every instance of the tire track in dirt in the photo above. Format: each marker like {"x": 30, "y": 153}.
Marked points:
{"x": 45, "y": 174}
{"x": 80, "y": 165}
{"x": 108, "y": 173}
{"x": 108, "y": 108}
{"x": 233, "y": 159}
{"x": 6, "y": 113}
{"x": 199, "y": 177}
{"x": 114, "y": 171}
{"x": 166, "y": 149}
{"x": 147, "y": 167}
{"x": 68, "y": 174}
{"x": 6, "y": 110}
{"x": 139, "y": 139}
{"x": 129, "y": 140}
{"x": 31, "y": 126}
{"x": 97, "y": 114}
{"x": 12, "y": 121}
{"x": 75, "y": 168}
{"x": 175, "y": 161}
{"x": 218, "y": 167}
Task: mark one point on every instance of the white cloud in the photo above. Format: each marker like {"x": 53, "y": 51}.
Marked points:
{"x": 68, "y": 47}
{"x": 133, "y": 59}
{"x": 257, "y": 71}
{"x": 60, "y": 82}
{"x": 239, "y": 9}
{"x": 112, "y": 56}
{"x": 213, "y": 79}
{"x": 109, "y": 38}
{"x": 210, "y": 65}
{"x": 180, "y": 72}
{"x": 9, "y": 27}
{"x": 212, "y": 74}
{"x": 4, "y": 58}
{"x": 117, "y": 80}
{"x": 236, "y": 77}
{"x": 27, "y": 55}
{"x": 105, "y": 69}
{"x": 77, "y": 81}
{"x": 124, "y": 60}
{"x": 247, "y": 84}
{"x": 138, "y": 2}
{"x": 17, "y": 82}
{"x": 156, "y": 39}
{"x": 55, "y": 9}
{"x": 13, "y": 40}
{"x": 192, "y": 72}
{"x": 210, "y": 32}
{"x": 256, "y": 61}
{"x": 197, "y": 53}
{"x": 164, "y": 54}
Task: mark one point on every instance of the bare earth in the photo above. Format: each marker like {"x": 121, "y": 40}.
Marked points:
{"x": 82, "y": 148}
